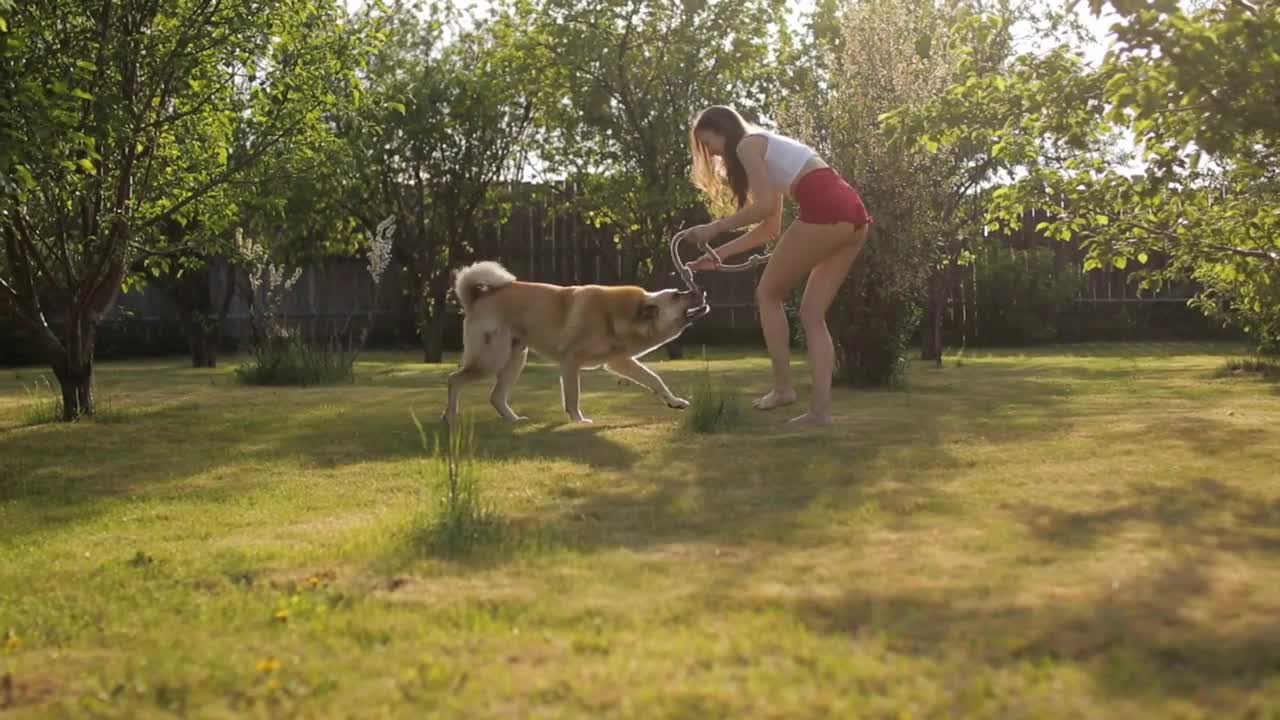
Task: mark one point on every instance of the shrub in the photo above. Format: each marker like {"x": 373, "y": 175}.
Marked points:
{"x": 875, "y": 317}
{"x": 1021, "y": 298}
{"x": 287, "y": 358}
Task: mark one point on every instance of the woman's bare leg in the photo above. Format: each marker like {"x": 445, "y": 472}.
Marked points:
{"x": 801, "y": 248}
{"x": 824, "y": 282}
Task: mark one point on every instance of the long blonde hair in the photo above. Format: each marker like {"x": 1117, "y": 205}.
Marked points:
{"x": 705, "y": 171}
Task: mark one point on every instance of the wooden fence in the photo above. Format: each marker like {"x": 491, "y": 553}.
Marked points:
{"x": 540, "y": 242}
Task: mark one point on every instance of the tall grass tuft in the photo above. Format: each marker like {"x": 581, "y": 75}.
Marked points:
{"x": 713, "y": 406}
{"x": 44, "y": 403}
{"x": 460, "y": 520}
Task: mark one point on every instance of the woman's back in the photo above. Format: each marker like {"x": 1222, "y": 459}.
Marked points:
{"x": 784, "y": 156}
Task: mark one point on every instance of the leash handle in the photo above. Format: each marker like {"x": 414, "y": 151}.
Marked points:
{"x": 754, "y": 260}
{"x": 686, "y": 273}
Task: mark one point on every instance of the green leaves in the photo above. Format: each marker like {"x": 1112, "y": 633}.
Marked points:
{"x": 144, "y": 130}
{"x": 622, "y": 82}
{"x": 23, "y": 173}
{"x": 1197, "y": 90}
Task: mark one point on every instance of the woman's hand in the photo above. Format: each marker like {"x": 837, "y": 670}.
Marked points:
{"x": 704, "y": 263}
{"x": 699, "y": 234}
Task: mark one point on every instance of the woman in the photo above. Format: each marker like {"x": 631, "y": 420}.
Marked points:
{"x": 760, "y": 167}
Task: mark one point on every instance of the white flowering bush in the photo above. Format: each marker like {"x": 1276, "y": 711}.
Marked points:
{"x": 380, "y": 249}
{"x": 281, "y": 355}
{"x": 268, "y": 287}
{"x": 380, "y": 242}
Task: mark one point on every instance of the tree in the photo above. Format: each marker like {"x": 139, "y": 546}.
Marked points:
{"x": 447, "y": 123}
{"x": 891, "y": 54}
{"x": 1197, "y": 90}
{"x": 957, "y": 128}
{"x": 190, "y": 280}
{"x": 120, "y": 116}
{"x": 626, "y": 78}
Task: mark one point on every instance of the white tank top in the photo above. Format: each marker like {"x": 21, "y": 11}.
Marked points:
{"x": 784, "y": 157}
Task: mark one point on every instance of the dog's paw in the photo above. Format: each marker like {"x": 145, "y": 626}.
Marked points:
{"x": 517, "y": 419}
{"x": 676, "y": 403}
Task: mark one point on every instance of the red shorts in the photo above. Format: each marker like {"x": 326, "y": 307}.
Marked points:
{"x": 825, "y": 199}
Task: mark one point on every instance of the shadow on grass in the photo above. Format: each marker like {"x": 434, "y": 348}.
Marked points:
{"x": 758, "y": 482}
{"x": 1144, "y": 350}
{"x": 1203, "y": 514}
{"x": 1206, "y": 435}
{"x": 59, "y": 474}
{"x": 1149, "y": 634}
{"x": 1139, "y": 638}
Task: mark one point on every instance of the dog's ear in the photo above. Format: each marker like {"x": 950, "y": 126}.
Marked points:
{"x": 647, "y": 311}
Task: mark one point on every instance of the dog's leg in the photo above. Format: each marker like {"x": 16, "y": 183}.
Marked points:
{"x": 570, "y": 389}
{"x": 501, "y": 395}
{"x": 457, "y": 379}
{"x": 633, "y": 370}
{"x": 485, "y": 353}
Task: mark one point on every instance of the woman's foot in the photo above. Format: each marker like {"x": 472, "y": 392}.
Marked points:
{"x": 811, "y": 418}
{"x": 774, "y": 399}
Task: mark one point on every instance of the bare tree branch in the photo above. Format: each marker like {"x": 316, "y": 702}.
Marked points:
{"x": 28, "y": 316}
{"x": 23, "y": 233}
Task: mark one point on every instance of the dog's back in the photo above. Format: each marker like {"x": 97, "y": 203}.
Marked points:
{"x": 543, "y": 315}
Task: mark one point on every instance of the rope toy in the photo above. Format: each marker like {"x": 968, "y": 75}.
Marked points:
{"x": 686, "y": 274}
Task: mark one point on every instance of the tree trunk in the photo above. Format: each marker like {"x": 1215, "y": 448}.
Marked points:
{"x": 75, "y": 373}
{"x": 931, "y": 331}
{"x": 431, "y": 323}
{"x": 202, "y": 336}
{"x": 193, "y": 293}
{"x": 433, "y": 339}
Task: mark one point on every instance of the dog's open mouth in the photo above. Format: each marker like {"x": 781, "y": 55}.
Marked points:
{"x": 694, "y": 313}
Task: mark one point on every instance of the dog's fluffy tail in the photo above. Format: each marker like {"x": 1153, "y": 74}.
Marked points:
{"x": 479, "y": 278}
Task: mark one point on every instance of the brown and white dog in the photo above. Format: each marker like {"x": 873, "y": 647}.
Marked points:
{"x": 578, "y": 326}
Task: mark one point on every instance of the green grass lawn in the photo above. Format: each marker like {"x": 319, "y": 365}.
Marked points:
{"x": 1075, "y": 532}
